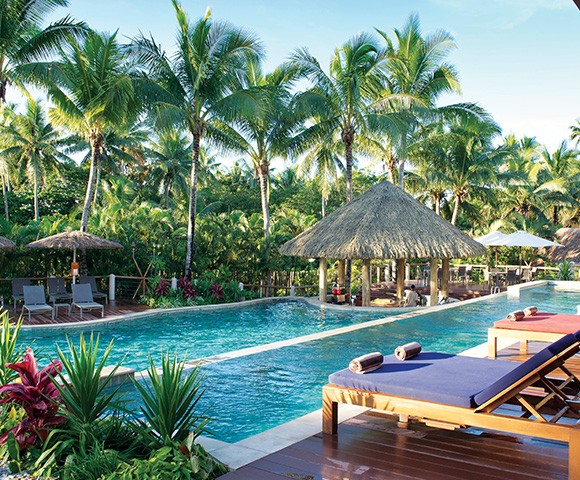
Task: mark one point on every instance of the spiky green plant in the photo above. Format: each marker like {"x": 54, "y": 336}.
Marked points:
{"x": 8, "y": 352}
{"x": 170, "y": 403}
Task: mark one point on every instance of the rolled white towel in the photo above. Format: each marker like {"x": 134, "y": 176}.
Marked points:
{"x": 404, "y": 352}
{"x": 515, "y": 316}
{"x": 530, "y": 311}
{"x": 367, "y": 363}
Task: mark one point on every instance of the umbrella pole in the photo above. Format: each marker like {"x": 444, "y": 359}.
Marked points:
{"x": 495, "y": 257}
{"x": 520, "y": 268}
{"x": 74, "y": 261}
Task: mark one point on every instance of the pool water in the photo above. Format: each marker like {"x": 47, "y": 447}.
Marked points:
{"x": 251, "y": 394}
{"x": 201, "y": 333}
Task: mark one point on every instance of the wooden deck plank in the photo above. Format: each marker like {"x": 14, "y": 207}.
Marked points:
{"x": 112, "y": 309}
{"x": 375, "y": 447}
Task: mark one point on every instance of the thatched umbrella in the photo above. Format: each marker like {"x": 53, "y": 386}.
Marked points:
{"x": 384, "y": 222}
{"x": 5, "y": 244}
{"x": 73, "y": 240}
{"x": 569, "y": 238}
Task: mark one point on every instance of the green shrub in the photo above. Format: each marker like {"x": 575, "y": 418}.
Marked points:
{"x": 9, "y": 354}
{"x": 170, "y": 403}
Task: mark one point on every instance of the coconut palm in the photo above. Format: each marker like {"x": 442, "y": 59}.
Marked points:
{"x": 171, "y": 155}
{"x": 6, "y": 116}
{"x": 196, "y": 87}
{"x": 558, "y": 178}
{"x": 575, "y": 135}
{"x": 31, "y": 144}
{"x": 417, "y": 76}
{"x": 23, "y": 40}
{"x": 93, "y": 94}
{"x": 339, "y": 101}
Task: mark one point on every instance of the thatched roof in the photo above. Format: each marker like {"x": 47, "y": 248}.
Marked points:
{"x": 570, "y": 239}
{"x": 74, "y": 239}
{"x": 383, "y": 222}
{"x": 5, "y": 243}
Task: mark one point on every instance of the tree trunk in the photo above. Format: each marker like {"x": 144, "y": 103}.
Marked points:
{"x": 97, "y": 181}
{"x": 348, "y": 147}
{"x": 555, "y": 215}
{"x": 323, "y": 206}
{"x": 437, "y": 205}
{"x": 36, "y": 216}
{"x": 192, "y": 204}
{"x": 455, "y": 210}
{"x": 96, "y": 141}
{"x": 264, "y": 176}
{"x": 5, "y": 198}
{"x": 402, "y": 160}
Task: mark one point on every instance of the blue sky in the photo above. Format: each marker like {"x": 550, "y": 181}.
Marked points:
{"x": 517, "y": 58}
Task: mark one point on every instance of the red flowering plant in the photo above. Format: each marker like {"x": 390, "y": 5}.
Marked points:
{"x": 217, "y": 291}
{"x": 37, "y": 396}
{"x": 187, "y": 289}
{"x": 162, "y": 288}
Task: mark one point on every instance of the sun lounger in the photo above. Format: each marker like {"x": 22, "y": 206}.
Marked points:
{"x": 542, "y": 327}
{"x": 57, "y": 290}
{"x": 83, "y": 299}
{"x": 93, "y": 283}
{"x": 35, "y": 301}
{"x": 458, "y": 391}
{"x": 17, "y": 293}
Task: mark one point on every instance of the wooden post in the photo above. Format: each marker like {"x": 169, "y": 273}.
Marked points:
{"x": 366, "y": 284}
{"x": 445, "y": 277}
{"x": 573, "y": 452}
{"x": 322, "y": 280}
{"x": 341, "y": 273}
{"x": 433, "y": 283}
{"x": 400, "y": 277}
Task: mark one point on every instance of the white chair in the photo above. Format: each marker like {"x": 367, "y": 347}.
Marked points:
{"x": 83, "y": 299}
{"x": 35, "y": 301}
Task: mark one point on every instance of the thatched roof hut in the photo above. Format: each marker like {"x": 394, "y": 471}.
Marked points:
{"x": 570, "y": 249}
{"x": 383, "y": 222}
{"x": 6, "y": 244}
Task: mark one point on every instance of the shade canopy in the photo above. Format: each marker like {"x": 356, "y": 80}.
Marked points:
{"x": 383, "y": 222}
{"x": 73, "y": 240}
{"x": 492, "y": 239}
{"x": 6, "y": 244}
{"x": 570, "y": 249}
{"x": 525, "y": 239}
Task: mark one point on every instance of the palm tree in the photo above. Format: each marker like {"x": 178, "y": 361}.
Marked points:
{"x": 32, "y": 145}
{"x": 171, "y": 154}
{"x": 339, "y": 101}
{"x": 558, "y": 178}
{"x": 575, "y": 135}
{"x": 197, "y": 87}
{"x": 93, "y": 94}
{"x": 6, "y": 116}
{"x": 23, "y": 40}
{"x": 416, "y": 77}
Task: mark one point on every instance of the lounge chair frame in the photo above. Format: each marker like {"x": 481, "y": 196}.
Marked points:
{"x": 93, "y": 283}
{"x": 84, "y": 300}
{"x": 17, "y": 292}
{"x": 57, "y": 290}
{"x": 38, "y": 306}
{"x": 554, "y": 401}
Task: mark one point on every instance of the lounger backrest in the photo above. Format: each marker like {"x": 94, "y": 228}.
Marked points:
{"x": 82, "y": 293}
{"x": 91, "y": 281}
{"x": 18, "y": 283}
{"x": 34, "y": 295}
{"x": 529, "y": 366}
{"x": 56, "y": 285}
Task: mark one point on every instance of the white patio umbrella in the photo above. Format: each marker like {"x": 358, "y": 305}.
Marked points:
{"x": 492, "y": 239}
{"x": 524, "y": 239}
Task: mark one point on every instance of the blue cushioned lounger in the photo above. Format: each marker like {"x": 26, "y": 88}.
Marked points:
{"x": 463, "y": 391}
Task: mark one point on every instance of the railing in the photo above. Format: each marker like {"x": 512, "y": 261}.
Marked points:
{"x": 292, "y": 289}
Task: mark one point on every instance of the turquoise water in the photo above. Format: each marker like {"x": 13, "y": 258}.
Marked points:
{"x": 257, "y": 392}
{"x": 202, "y": 333}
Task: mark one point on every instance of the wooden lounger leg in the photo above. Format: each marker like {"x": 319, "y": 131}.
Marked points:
{"x": 523, "y": 346}
{"x": 491, "y": 345}
{"x": 329, "y": 415}
{"x": 574, "y": 454}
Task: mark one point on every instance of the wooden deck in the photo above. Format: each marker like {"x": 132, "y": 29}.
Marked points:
{"x": 114, "y": 308}
{"x": 374, "y": 446}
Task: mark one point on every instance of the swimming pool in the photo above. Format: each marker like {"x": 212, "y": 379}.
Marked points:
{"x": 202, "y": 332}
{"x": 256, "y": 392}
